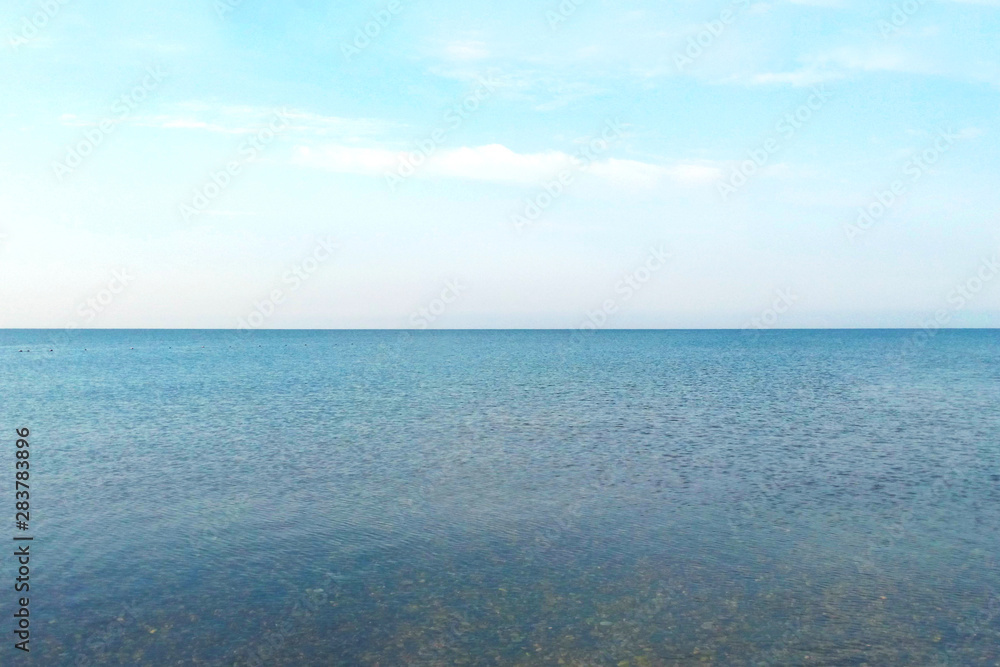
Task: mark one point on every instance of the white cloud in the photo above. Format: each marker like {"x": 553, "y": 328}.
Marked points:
{"x": 971, "y": 132}
{"x": 347, "y": 159}
{"x": 803, "y": 77}
{"x": 839, "y": 64}
{"x": 498, "y": 164}
{"x": 494, "y": 163}
{"x": 234, "y": 119}
{"x": 820, "y": 3}
{"x": 644, "y": 174}
{"x": 467, "y": 50}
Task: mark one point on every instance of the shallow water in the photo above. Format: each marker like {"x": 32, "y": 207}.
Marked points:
{"x": 523, "y": 498}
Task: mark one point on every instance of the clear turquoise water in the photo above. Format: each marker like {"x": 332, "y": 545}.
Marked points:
{"x": 488, "y": 498}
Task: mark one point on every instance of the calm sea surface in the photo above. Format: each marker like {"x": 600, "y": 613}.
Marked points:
{"x": 506, "y": 498}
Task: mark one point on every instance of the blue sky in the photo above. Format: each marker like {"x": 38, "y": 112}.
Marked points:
{"x": 514, "y": 164}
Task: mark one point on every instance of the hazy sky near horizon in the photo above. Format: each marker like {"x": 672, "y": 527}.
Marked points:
{"x": 499, "y": 164}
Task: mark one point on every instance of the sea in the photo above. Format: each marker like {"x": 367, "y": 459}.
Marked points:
{"x": 384, "y": 498}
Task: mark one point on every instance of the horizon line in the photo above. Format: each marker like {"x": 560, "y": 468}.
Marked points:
{"x": 552, "y": 329}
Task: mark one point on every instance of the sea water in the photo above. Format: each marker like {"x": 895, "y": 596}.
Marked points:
{"x": 507, "y": 497}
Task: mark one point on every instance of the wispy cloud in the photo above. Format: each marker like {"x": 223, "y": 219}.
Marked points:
{"x": 235, "y": 119}
{"x": 467, "y": 50}
{"x": 498, "y": 164}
